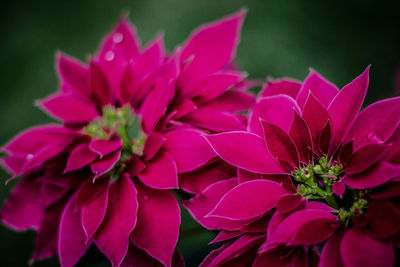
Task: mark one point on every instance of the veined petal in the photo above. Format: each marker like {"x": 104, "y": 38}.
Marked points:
{"x": 72, "y": 242}
{"x": 157, "y": 228}
{"x": 212, "y": 86}
{"x": 316, "y": 117}
{"x": 359, "y": 249}
{"x": 322, "y": 89}
{"x": 299, "y": 228}
{"x": 160, "y": 172}
{"x": 23, "y": 209}
{"x": 377, "y": 175}
{"x": 93, "y": 212}
{"x": 201, "y": 205}
{"x": 69, "y": 108}
{"x": 100, "y": 89}
{"x": 112, "y": 238}
{"x": 277, "y": 110}
{"x": 301, "y": 136}
{"x": 384, "y": 218}
{"x": 345, "y": 106}
{"x": 365, "y": 157}
{"x": 79, "y": 157}
{"x": 283, "y": 86}
{"x": 248, "y": 200}
{"x": 330, "y": 256}
{"x": 101, "y": 166}
{"x": 188, "y": 148}
{"x": 104, "y": 147}
{"x": 152, "y": 144}
{"x": 244, "y": 150}
{"x": 74, "y": 73}
{"x": 215, "y": 121}
{"x": 376, "y": 123}
{"x": 231, "y": 101}
{"x": 203, "y": 57}
{"x": 279, "y": 144}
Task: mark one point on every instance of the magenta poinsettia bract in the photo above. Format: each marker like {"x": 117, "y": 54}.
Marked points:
{"x": 133, "y": 119}
{"x": 298, "y": 176}
{"x": 317, "y": 181}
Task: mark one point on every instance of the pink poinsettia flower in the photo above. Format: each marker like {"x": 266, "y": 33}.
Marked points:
{"x": 105, "y": 176}
{"x": 314, "y": 169}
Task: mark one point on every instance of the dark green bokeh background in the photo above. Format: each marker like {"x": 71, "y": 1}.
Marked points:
{"x": 279, "y": 38}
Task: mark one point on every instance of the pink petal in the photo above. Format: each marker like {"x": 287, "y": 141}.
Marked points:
{"x": 104, "y": 147}
{"x": 112, "y": 238}
{"x": 204, "y": 57}
{"x": 290, "y": 202}
{"x": 155, "y": 104}
{"x": 135, "y": 165}
{"x": 323, "y": 90}
{"x": 359, "y": 249}
{"x": 338, "y": 188}
{"x": 238, "y": 247}
{"x": 74, "y": 73}
{"x": 212, "y": 86}
{"x": 301, "y": 136}
{"x": 105, "y": 164}
{"x": 376, "y": 123}
{"x": 46, "y": 237}
{"x": 283, "y": 86}
{"x": 117, "y": 49}
{"x": 100, "y": 88}
{"x": 280, "y": 145}
{"x": 244, "y": 150}
{"x": 345, "y": 106}
{"x": 23, "y": 209}
{"x": 69, "y": 108}
{"x": 183, "y": 108}
{"x": 377, "y": 175}
{"x": 277, "y": 110}
{"x": 203, "y": 203}
{"x": 384, "y": 218}
{"x": 123, "y": 38}
{"x": 160, "y": 172}
{"x": 158, "y": 223}
{"x": 35, "y": 138}
{"x": 365, "y": 157}
{"x": 129, "y": 84}
{"x": 93, "y": 212}
{"x": 150, "y": 59}
{"x": 188, "y": 148}
{"x": 72, "y": 242}
{"x": 330, "y": 256}
{"x": 138, "y": 258}
{"x": 316, "y": 117}
{"x": 90, "y": 191}
{"x": 248, "y": 200}
{"x": 196, "y": 181}
{"x": 152, "y": 144}
{"x": 389, "y": 190}
{"x": 214, "y": 121}
{"x": 231, "y": 101}
{"x": 79, "y": 157}
{"x": 298, "y": 228}
{"x": 225, "y": 235}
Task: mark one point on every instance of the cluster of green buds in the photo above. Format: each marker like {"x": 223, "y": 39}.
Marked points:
{"x": 121, "y": 121}
{"x": 316, "y": 180}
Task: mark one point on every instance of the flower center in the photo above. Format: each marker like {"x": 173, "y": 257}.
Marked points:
{"x": 121, "y": 122}
{"x": 317, "y": 181}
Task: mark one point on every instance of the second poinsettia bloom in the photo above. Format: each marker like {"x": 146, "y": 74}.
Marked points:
{"x": 330, "y": 171}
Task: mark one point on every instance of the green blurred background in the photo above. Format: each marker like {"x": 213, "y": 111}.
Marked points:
{"x": 279, "y": 38}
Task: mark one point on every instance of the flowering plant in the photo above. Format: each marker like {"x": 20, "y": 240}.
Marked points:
{"x": 303, "y": 179}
